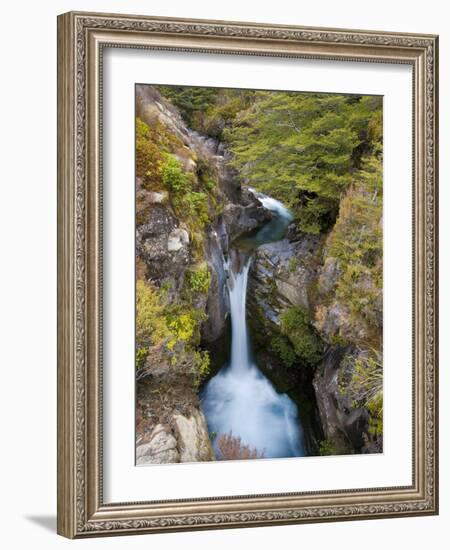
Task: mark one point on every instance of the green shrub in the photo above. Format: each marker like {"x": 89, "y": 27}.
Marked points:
{"x": 283, "y": 349}
{"x": 326, "y": 448}
{"x": 207, "y": 110}
{"x": 190, "y": 101}
{"x": 193, "y": 205}
{"x": 199, "y": 279}
{"x": 141, "y": 356}
{"x": 189, "y": 205}
{"x": 357, "y": 242}
{"x": 306, "y": 342}
{"x": 173, "y": 177}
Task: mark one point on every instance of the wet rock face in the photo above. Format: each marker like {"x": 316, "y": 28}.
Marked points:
{"x": 282, "y": 275}
{"x": 329, "y": 275}
{"x": 217, "y": 304}
{"x": 217, "y": 307}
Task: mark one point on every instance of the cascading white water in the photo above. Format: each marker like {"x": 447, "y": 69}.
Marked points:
{"x": 240, "y": 399}
{"x": 237, "y": 287}
{"x": 272, "y": 204}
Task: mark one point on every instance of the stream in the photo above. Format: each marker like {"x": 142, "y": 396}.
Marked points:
{"x": 239, "y": 399}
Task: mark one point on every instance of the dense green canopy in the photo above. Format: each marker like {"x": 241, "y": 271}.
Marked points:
{"x": 303, "y": 148}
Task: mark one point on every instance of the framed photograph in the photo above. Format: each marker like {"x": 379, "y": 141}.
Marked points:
{"x": 247, "y": 277}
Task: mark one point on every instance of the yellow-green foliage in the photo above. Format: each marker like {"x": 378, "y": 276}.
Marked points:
{"x": 160, "y": 169}
{"x": 182, "y": 328}
{"x": 296, "y": 326}
{"x": 175, "y": 328}
{"x": 151, "y": 325}
{"x": 294, "y": 264}
{"x": 192, "y": 195}
{"x": 149, "y": 154}
{"x": 193, "y": 207}
{"x": 141, "y": 356}
{"x": 202, "y": 363}
{"x": 199, "y": 279}
{"x": 367, "y": 378}
{"x": 184, "y": 324}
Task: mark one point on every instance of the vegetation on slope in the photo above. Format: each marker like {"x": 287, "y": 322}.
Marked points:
{"x": 301, "y": 148}
{"x": 174, "y": 328}
{"x": 356, "y": 242}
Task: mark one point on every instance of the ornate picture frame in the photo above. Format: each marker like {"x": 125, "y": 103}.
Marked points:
{"x": 82, "y": 38}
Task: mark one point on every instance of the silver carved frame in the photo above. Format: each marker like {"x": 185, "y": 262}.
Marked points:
{"x": 81, "y": 39}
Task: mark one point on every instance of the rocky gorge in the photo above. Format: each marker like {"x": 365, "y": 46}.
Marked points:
{"x": 314, "y": 314}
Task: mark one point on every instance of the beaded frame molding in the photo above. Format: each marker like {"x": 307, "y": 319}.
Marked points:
{"x": 81, "y": 39}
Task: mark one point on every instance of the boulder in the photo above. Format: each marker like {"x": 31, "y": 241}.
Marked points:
{"x": 192, "y": 437}
{"x": 161, "y": 449}
{"x": 178, "y": 238}
{"x": 241, "y": 219}
{"x": 164, "y": 247}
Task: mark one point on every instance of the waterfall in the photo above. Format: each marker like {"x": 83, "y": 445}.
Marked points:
{"x": 237, "y": 289}
{"x": 239, "y": 398}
